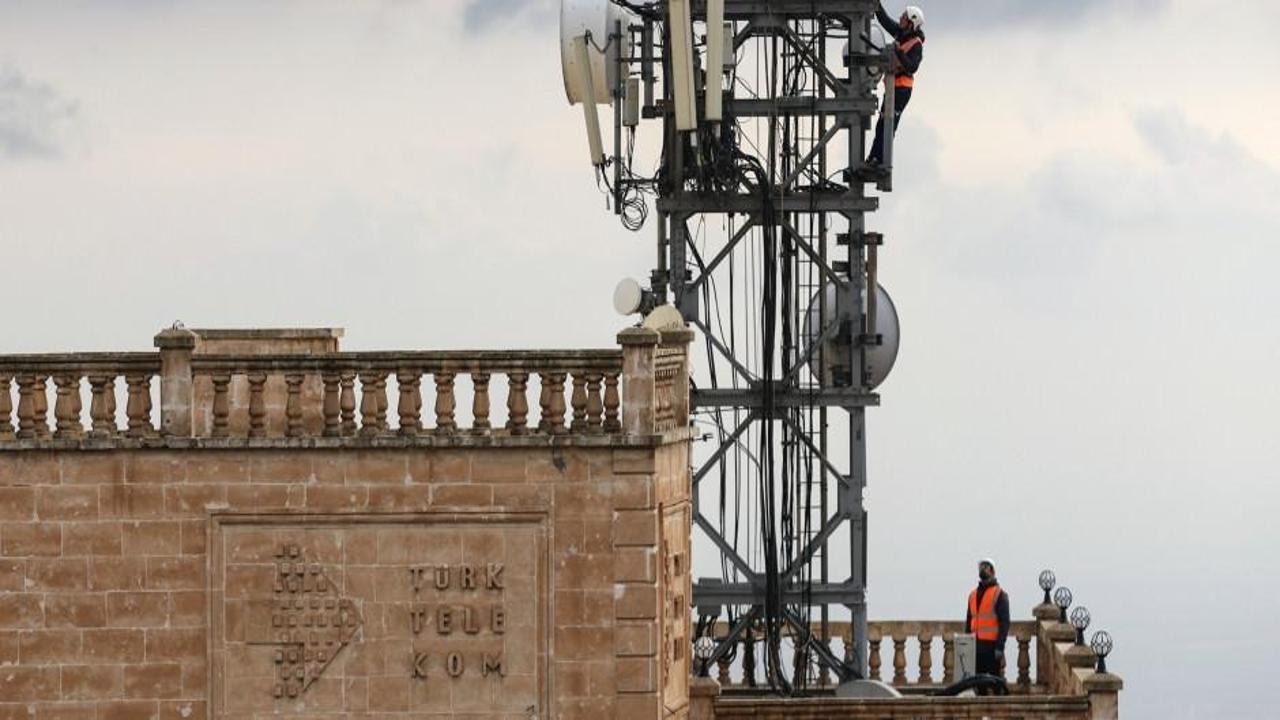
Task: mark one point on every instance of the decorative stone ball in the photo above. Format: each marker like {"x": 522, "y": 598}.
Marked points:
{"x": 1101, "y": 643}
{"x": 1062, "y": 597}
{"x": 1080, "y": 618}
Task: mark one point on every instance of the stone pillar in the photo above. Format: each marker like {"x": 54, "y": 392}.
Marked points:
{"x": 176, "y": 388}
{"x": 680, "y": 386}
{"x": 703, "y": 692}
{"x": 1104, "y": 696}
{"x": 1045, "y": 614}
{"x": 639, "y": 403}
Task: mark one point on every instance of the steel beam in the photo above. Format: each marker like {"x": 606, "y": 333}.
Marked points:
{"x": 753, "y": 398}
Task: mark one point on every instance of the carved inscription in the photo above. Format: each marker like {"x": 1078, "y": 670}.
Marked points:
{"x": 442, "y": 619}
{"x": 363, "y": 615}
{"x": 310, "y": 623}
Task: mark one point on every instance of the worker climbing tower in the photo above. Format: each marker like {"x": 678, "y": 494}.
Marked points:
{"x": 758, "y": 113}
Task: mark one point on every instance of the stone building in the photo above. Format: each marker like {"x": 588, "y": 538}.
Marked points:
{"x": 255, "y": 524}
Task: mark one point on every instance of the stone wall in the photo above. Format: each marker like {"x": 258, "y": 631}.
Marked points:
{"x": 290, "y": 557}
{"x": 504, "y": 582}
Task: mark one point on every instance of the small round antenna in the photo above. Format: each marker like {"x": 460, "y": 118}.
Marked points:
{"x": 628, "y": 297}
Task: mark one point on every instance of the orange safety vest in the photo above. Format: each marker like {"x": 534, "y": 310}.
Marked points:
{"x": 904, "y": 79}
{"x": 985, "y": 625}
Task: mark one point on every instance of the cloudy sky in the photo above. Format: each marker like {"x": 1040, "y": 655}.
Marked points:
{"x": 1083, "y": 249}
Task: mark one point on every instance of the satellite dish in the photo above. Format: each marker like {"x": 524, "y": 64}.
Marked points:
{"x": 597, "y": 17}
{"x": 627, "y": 297}
{"x": 824, "y": 362}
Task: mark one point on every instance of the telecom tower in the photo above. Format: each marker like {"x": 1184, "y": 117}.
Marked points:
{"x": 761, "y": 109}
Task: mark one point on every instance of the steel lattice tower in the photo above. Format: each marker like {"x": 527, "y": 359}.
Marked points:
{"x": 761, "y": 212}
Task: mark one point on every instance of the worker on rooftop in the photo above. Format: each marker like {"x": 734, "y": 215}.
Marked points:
{"x": 988, "y": 619}
{"x": 908, "y": 33}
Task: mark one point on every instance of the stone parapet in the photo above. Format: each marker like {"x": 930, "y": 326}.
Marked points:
{"x": 256, "y": 525}
{"x": 227, "y": 385}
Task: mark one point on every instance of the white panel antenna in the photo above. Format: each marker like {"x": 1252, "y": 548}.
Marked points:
{"x": 680, "y": 22}
{"x": 590, "y": 111}
{"x": 715, "y": 60}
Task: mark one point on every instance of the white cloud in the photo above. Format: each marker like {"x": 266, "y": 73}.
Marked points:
{"x": 35, "y": 119}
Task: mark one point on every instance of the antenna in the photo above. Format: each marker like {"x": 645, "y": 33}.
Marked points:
{"x": 716, "y": 31}
{"x": 589, "y": 111}
{"x": 763, "y": 248}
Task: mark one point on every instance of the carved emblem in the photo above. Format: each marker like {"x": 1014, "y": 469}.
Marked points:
{"x": 309, "y": 622}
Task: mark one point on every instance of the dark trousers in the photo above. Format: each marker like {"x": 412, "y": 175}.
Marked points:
{"x": 901, "y": 96}
{"x": 987, "y": 663}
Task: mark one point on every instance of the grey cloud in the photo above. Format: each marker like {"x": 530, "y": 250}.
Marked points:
{"x": 34, "y": 117}
{"x": 1006, "y": 13}
{"x": 480, "y": 16}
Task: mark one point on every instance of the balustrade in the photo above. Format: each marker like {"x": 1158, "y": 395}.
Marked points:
{"x": 911, "y": 643}
{"x": 246, "y": 396}
{"x": 70, "y": 376}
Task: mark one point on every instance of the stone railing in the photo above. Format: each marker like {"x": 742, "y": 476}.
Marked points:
{"x": 910, "y": 644}
{"x": 640, "y": 390}
{"x": 1066, "y": 685}
{"x": 32, "y": 375}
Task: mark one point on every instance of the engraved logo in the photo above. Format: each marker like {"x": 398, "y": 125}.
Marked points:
{"x": 309, "y": 622}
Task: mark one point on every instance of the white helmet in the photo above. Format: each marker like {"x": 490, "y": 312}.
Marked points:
{"x": 915, "y": 15}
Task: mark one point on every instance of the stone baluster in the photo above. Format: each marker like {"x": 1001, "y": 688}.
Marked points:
{"x": 722, "y": 671}
{"x": 748, "y": 660}
{"x": 899, "y": 660}
{"x": 445, "y": 404}
{"x": 137, "y": 408}
{"x": 578, "y": 402}
{"x": 64, "y": 410}
{"x": 612, "y": 423}
{"x": 221, "y": 404}
{"x": 926, "y": 659}
{"x": 517, "y": 403}
{"x": 293, "y": 404}
{"x": 824, "y": 675}
{"x": 873, "y": 655}
{"x": 147, "y": 407}
{"x": 1024, "y": 661}
{"x": 544, "y": 404}
{"x": 257, "y": 405}
{"x": 382, "y": 401}
{"x": 101, "y": 411}
{"x": 347, "y": 402}
{"x": 595, "y": 405}
{"x": 76, "y": 406}
{"x": 369, "y": 405}
{"x": 409, "y": 405}
{"x": 6, "y": 407}
{"x": 331, "y": 406}
{"x": 480, "y": 404}
{"x": 847, "y": 641}
{"x": 26, "y": 406}
{"x": 41, "y": 403}
{"x": 948, "y": 658}
{"x": 111, "y": 404}
{"x": 557, "y": 426}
